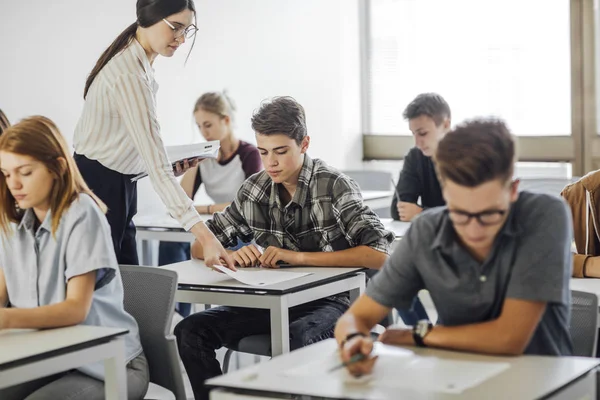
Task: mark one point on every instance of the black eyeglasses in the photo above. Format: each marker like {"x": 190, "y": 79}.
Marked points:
{"x": 188, "y": 32}
{"x": 484, "y": 218}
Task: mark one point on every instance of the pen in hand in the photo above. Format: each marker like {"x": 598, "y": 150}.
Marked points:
{"x": 354, "y": 359}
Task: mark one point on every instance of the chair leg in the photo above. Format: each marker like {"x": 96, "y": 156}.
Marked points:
{"x": 226, "y": 360}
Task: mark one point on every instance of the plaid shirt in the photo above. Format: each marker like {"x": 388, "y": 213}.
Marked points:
{"x": 326, "y": 214}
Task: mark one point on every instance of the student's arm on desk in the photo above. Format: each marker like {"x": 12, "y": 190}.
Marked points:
{"x": 248, "y": 256}
{"x": 363, "y": 315}
{"x": 509, "y": 334}
{"x": 3, "y": 290}
{"x": 586, "y": 266}
{"x": 360, "y": 256}
{"x": 72, "y": 311}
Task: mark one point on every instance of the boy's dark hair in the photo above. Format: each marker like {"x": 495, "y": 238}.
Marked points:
{"x": 431, "y": 104}
{"x": 280, "y": 115}
{"x": 476, "y": 152}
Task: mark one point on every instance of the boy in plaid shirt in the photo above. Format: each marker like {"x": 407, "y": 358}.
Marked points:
{"x": 301, "y": 212}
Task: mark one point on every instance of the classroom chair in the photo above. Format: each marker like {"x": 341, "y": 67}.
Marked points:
{"x": 584, "y": 323}
{"x": 150, "y": 299}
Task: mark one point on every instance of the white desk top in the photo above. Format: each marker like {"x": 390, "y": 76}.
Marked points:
{"x": 399, "y": 228}
{"x": 195, "y": 275}
{"x": 376, "y": 194}
{"x": 527, "y": 377}
{"x": 19, "y": 344}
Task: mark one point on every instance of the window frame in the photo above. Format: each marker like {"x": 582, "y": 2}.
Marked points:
{"x": 581, "y": 148}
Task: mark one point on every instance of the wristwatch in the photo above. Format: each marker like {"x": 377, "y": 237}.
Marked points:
{"x": 420, "y": 330}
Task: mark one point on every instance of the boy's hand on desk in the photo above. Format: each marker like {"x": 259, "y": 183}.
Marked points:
{"x": 2, "y": 319}
{"x": 272, "y": 255}
{"x": 356, "y": 345}
{"x": 407, "y": 211}
{"x": 246, "y": 256}
{"x": 398, "y": 337}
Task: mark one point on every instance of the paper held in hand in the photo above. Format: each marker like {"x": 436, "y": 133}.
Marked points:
{"x": 188, "y": 152}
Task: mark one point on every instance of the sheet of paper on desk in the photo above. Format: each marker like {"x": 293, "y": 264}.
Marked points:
{"x": 261, "y": 277}
{"x": 399, "y": 367}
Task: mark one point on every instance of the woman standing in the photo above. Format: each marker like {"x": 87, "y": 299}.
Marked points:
{"x": 118, "y": 134}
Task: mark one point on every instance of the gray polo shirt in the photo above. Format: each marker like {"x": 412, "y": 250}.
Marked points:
{"x": 37, "y": 267}
{"x": 530, "y": 260}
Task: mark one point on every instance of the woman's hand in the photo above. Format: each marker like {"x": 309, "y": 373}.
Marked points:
{"x": 215, "y": 253}
{"x": 181, "y": 167}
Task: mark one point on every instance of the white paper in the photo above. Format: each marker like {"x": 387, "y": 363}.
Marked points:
{"x": 200, "y": 150}
{"x": 261, "y": 277}
{"x": 401, "y": 368}
{"x": 179, "y": 153}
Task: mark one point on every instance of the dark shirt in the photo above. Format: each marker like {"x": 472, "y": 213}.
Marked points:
{"x": 417, "y": 179}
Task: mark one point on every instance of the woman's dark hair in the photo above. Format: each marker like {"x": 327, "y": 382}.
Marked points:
{"x": 149, "y": 12}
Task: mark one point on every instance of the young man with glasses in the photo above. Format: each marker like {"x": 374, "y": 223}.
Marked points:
{"x": 496, "y": 262}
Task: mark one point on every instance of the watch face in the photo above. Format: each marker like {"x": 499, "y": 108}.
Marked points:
{"x": 422, "y": 328}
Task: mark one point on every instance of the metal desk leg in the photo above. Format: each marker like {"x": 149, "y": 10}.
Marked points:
{"x": 355, "y": 293}
{"x": 147, "y": 256}
{"x": 115, "y": 382}
{"x": 280, "y": 327}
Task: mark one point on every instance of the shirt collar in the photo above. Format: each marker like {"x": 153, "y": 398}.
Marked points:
{"x": 28, "y": 221}
{"x": 446, "y": 236}
{"x": 302, "y": 187}
{"x": 140, "y": 53}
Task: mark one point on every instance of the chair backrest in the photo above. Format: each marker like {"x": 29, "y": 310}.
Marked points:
{"x": 552, "y": 186}
{"x": 149, "y": 296}
{"x": 584, "y": 323}
{"x": 371, "y": 180}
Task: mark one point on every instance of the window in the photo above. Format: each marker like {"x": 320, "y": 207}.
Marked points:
{"x": 510, "y": 59}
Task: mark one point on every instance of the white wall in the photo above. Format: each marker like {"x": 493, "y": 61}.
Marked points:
{"x": 308, "y": 49}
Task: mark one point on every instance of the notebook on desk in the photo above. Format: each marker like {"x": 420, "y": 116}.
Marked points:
{"x": 190, "y": 152}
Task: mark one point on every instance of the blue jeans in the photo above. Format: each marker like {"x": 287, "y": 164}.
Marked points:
{"x": 415, "y": 313}
{"x": 200, "y": 334}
